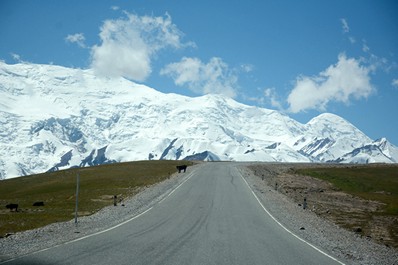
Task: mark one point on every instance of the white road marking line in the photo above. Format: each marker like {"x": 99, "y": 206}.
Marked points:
{"x": 100, "y": 232}
{"x": 287, "y": 230}
{"x": 78, "y": 239}
{"x": 168, "y": 195}
{"x": 111, "y": 228}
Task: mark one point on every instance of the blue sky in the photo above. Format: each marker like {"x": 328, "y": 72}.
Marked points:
{"x": 300, "y": 57}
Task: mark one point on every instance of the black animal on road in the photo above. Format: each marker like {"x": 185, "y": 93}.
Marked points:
{"x": 182, "y": 167}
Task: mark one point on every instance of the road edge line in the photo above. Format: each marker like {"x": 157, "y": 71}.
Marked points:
{"x": 102, "y": 231}
{"x": 171, "y": 192}
{"x": 77, "y": 239}
{"x": 287, "y": 230}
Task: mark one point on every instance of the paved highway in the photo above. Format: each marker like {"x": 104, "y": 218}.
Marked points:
{"x": 212, "y": 218}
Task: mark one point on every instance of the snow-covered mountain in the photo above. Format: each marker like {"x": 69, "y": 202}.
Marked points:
{"x": 53, "y": 118}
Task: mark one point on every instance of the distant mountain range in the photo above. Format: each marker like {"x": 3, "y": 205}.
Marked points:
{"x": 54, "y": 118}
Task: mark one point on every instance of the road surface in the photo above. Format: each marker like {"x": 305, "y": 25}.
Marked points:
{"x": 212, "y": 218}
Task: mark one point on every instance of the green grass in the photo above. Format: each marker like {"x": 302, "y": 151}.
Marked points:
{"x": 377, "y": 183}
{"x": 370, "y": 182}
{"x": 57, "y": 191}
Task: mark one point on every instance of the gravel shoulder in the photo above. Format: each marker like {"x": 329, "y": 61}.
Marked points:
{"x": 31, "y": 241}
{"x": 348, "y": 247}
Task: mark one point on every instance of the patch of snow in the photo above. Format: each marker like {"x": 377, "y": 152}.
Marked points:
{"x": 47, "y": 111}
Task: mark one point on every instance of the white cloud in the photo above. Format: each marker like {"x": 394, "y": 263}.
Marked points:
{"x": 272, "y": 97}
{"x": 77, "y": 38}
{"x": 394, "y": 83}
{"x": 257, "y": 100}
{"x": 340, "y": 82}
{"x": 16, "y": 57}
{"x": 213, "y": 77}
{"x": 346, "y": 30}
{"x": 247, "y": 68}
{"x": 115, "y": 8}
{"x": 129, "y": 44}
{"x": 269, "y": 97}
{"x": 345, "y": 26}
{"x": 365, "y": 47}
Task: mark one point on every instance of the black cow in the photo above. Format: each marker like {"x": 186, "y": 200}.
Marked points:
{"x": 12, "y": 206}
{"x": 38, "y": 204}
{"x": 182, "y": 167}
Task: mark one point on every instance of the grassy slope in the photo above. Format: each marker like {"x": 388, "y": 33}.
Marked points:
{"x": 370, "y": 182}
{"x": 57, "y": 191}
{"x": 378, "y": 183}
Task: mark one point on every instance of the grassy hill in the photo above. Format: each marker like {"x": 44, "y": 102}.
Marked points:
{"x": 57, "y": 190}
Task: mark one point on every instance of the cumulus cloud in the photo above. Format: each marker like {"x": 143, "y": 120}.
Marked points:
{"x": 129, "y": 44}
{"x": 340, "y": 82}
{"x": 203, "y": 78}
{"x": 77, "y": 38}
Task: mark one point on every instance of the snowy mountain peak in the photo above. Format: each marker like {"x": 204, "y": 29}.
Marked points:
{"x": 328, "y": 117}
{"x": 388, "y": 149}
{"x": 328, "y": 122}
{"x": 331, "y": 126}
{"x": 52, "y": 117}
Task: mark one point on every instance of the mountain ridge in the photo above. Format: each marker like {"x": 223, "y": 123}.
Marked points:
{"x": 53, "y": 117}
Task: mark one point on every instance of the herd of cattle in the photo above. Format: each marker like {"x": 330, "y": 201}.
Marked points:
{"x": 14, "y": 206}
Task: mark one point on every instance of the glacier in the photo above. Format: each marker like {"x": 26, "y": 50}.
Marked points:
{"x": 54, "y": 117}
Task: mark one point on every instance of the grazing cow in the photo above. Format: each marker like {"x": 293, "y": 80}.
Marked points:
{"x": 38, "y": 204}
{"x": 182, "y": 167}
{"x": 12, "y": 206}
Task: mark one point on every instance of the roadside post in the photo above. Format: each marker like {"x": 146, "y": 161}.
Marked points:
{"x": 77, "y": 195}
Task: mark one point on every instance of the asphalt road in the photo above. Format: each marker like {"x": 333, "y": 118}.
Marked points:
{"x": 212, "y": 218}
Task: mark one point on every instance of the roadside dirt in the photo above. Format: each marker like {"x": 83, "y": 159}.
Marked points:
{"x": 352, "y": 213}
